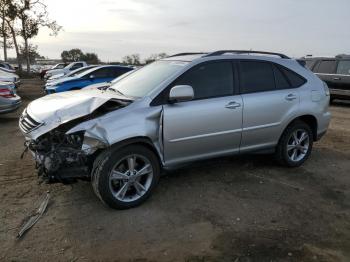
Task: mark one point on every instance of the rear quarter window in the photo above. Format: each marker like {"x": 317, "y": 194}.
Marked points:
{"x": 294, "y": 79}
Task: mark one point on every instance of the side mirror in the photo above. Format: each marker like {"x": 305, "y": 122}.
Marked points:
{"x": 181, "y": 93}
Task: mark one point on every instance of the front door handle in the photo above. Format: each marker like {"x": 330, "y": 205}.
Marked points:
{"x": 233, "y": 105}
{"x": 336, "y": 78}
{"x": 291, "y": 97}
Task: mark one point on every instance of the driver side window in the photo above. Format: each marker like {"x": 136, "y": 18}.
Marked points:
{"x": 209, "y": 80}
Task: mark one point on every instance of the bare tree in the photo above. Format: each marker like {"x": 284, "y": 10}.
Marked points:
{"x": 32, "y": 15}
{"x": 155, "y": 57}
{"x": 133, "y": 59}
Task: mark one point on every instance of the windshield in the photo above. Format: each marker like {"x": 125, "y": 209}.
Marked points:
{"x": 144, "y": 80}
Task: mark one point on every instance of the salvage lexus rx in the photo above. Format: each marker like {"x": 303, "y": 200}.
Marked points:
{"x": 186, "y": 107}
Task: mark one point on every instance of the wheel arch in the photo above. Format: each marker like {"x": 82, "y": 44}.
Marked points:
{"x": 140, "y": 140}
{"x": 309, "y": 120}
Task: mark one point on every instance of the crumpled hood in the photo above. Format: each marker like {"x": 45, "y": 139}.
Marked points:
{"x": 56, "y": 109}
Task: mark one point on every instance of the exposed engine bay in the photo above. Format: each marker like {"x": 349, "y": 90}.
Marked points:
{"x": 59, "y": 157}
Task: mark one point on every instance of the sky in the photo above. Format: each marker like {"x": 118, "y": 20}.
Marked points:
{"x": 115, "y": 28}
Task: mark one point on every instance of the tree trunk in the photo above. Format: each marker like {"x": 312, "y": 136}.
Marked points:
{"x": 4, "y": 38}
{"x": 13, "y": 33}
{"x": 27, "y": 54}
{"x": 26, "y": 50}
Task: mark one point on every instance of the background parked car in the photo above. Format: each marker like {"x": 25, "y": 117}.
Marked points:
{"x": 105, "y": 85}
{"x": 9, "y": 100}
{"x": 7, "y": 67}
{"x": 71, "y": 67}
{"x": 92, "y": 76}
{"x": 9, "y": 77}
{"x": 72, "y": 73}
{"x": 57, "y": 66}
{"x": 335, "y": 72}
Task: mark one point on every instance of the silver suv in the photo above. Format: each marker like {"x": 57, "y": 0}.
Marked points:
{"x": 183, "y": 108}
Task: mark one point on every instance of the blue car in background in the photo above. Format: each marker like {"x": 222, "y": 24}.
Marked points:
{"x": 94, "y": 75}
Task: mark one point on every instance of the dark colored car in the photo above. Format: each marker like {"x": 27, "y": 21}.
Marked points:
{"x": 335, "y": 72}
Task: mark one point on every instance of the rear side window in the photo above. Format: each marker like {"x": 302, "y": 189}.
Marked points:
{"x": 209, "y": 80}
{"x": 281, "y": 81}
{"x": 294, "y": 79}
{"x": 343, "y": 67}
{"x": 326, "y": 67}
{"x": 256, "y": 77}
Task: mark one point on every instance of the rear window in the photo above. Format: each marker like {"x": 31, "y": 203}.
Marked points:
{"x": 326, "y": 67}
{"x": 256, "y": 77}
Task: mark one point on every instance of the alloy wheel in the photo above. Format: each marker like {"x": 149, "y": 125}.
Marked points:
{"x": 131, "y": 178}
{"x": 298, "y": 145}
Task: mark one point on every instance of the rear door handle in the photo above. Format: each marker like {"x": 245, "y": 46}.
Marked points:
{"x": 233, "y": 105}
{"x": 336, "y": 78}
{"x": 291, "y": 97}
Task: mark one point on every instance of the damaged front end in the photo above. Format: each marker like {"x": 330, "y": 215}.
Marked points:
{"x": 59, "y": 157}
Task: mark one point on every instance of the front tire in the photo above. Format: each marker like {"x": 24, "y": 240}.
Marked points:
{"x": 125, "y": 177}
{"x": 295, "y": 144}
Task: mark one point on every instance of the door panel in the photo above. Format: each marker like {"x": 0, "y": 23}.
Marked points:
{"x": 202, "y": 128}
{"x": 263, "y": 116}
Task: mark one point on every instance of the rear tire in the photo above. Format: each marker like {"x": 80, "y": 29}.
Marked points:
{"x": 125, "y": 177}
{"x": 295, "y": 144}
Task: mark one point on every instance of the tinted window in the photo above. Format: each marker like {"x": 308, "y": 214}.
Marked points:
{"x": 256, "y": 77}
{"x": 326, "y": 67}
{"x": 101, "y": 73}
{"x": 344, "y": 67}
{"x": 294, "y": 79}
{"x": 115, "y": 71}
{"x": 209, "y": 80}
{"x": 281, "y": 80}
{"x": 76, "y": 66}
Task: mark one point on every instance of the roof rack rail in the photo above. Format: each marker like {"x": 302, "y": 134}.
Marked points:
{"x": 182, "y": 54}
{"x": 221, "y": 52}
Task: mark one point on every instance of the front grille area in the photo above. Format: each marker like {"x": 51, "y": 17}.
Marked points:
{"x": 27, "y": 123}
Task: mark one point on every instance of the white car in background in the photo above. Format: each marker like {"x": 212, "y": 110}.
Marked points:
{"x": 9, "y": 77}
{"x": 70, "y": 74}
{"x": 4, "y": 66}
{"x": 71, "y": 67}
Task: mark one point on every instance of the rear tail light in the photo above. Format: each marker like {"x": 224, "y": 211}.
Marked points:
{"x": 6, "y": 93}
{"x": 326, "y": 90}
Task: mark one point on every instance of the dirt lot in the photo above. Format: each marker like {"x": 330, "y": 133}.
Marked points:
{"x": 230, "y": 209}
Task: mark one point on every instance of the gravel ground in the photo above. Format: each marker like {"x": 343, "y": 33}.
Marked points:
{"x": 230, "y": 209}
